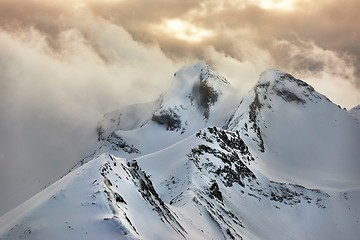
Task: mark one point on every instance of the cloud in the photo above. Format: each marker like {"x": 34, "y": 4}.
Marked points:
{"x": 331, "y": 73}
{"x": 330, "y": 25}
{"x": 51, "y": 100}
{"x": 63, "y": 64}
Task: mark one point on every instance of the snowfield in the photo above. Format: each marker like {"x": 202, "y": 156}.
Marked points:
{"x": 200, "y": 163}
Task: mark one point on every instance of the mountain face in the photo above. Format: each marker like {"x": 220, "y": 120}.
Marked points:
{"x": 201, "y": 163}
{"x": 198, "y": 97}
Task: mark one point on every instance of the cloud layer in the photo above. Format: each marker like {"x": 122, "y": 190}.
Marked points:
{"x": 63, "y": 64}
{"x": 51, "y": 99}
{"x": 293, "y": 40}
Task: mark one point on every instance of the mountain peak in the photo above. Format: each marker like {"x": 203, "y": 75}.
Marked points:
{"x": 270, "y": 75}
{"x": 196, "y": 87}
{"x": 284, "y": 85}
{"x": 199, "y": 71}
{"x": 275, "y": 77}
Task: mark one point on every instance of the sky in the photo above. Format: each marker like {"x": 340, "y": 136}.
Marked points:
{"x": 65, "y": 63}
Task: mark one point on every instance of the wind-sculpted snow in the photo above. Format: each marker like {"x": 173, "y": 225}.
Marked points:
{"x": 199, "y": 163}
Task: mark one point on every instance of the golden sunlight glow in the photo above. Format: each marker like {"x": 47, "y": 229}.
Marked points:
{"x": 186, "y": 31}
{"x": 285, "y": 5}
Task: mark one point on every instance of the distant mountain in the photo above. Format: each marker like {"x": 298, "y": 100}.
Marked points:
{"x": 201, "y": 163}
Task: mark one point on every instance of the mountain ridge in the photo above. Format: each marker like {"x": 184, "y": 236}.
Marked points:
{"x": 280, "y": 163}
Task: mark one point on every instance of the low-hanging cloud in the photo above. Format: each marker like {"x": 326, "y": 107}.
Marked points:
{"x": 63, "y": 64}
{"x": 50, "y": 100}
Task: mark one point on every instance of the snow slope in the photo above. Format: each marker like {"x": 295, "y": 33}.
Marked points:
{"x": 355, "y": 111}
{"x": 302, "y": 136}
{"x": 200, "y": 163}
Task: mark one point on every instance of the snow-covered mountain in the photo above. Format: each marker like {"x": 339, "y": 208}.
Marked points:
{"x": 198, "y": 97}
{"x": 201, "y": 163}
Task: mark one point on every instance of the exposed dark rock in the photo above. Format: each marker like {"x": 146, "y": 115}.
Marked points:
{"x": 254, "y": 112}
{"x": 205, "y": 96}
{"x": 298, "y": 82}
{"x": 100, "y": 132}
{"x": 169, "y": 118}
{"x": 215, "y": 191}
{"x": 233, "y": 169}
{"x": 228, "y": 232}
{"x": 119, "y": 198}
{"x": 116, "y": 143}
{"x": 288, "y": 96}
{"x": 208, "y": 97}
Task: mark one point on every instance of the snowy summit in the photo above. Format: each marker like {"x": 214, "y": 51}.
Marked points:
{"x": 201, "y": 163}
